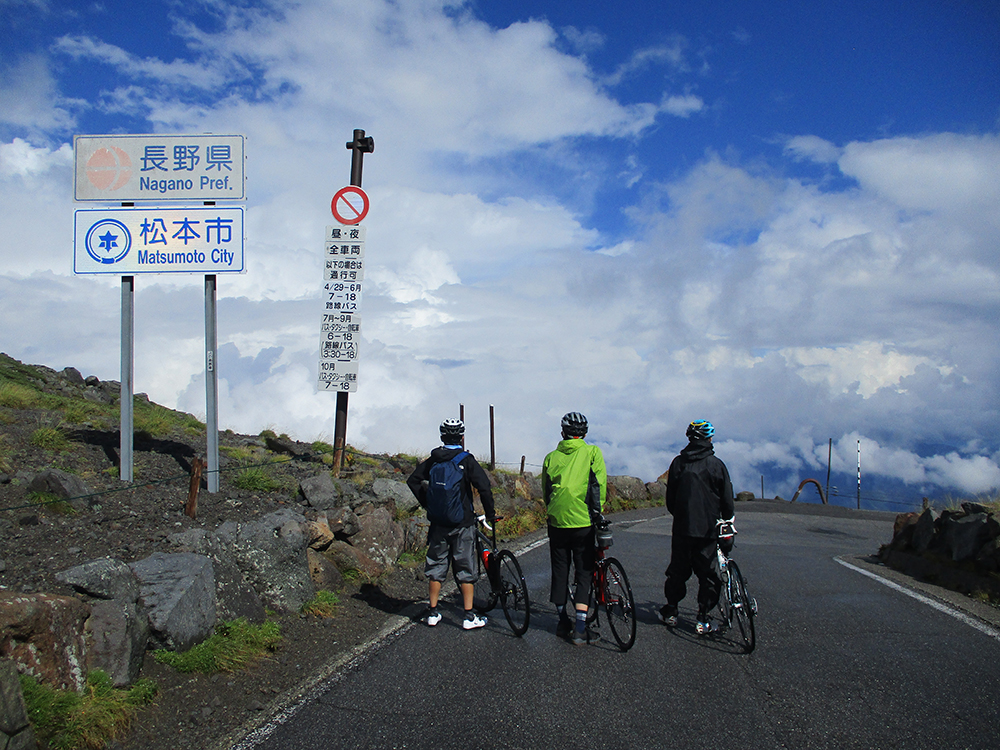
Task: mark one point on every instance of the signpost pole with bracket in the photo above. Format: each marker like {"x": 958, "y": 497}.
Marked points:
{"x": 360, "y": 146}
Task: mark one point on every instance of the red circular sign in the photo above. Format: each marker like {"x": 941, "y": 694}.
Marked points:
{"x": 350, "y": 205}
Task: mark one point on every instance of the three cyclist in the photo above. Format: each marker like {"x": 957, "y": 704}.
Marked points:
{"x": 574, "y": 488}
{"x": 699, "y": 495}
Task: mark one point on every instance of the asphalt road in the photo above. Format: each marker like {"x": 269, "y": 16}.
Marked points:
{"x": 846, "y": 658}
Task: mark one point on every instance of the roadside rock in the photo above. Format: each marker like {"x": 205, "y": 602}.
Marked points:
{"x": 178, "y": 594}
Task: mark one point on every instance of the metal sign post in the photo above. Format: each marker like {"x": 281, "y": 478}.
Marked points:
{"x": 211, "y": 385}
{"x": 360, "y": 146}
{"x": 130, "y": 240}
{"x": 125, "y": 393}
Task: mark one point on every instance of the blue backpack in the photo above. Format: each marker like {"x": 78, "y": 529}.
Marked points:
{"x": 444, "y": 491}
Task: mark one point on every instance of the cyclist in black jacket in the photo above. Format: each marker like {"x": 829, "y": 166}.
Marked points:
{"x": 453, "y": 543}
{"x": 699, "y": 495}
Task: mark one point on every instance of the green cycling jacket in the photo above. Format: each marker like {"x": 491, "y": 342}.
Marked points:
{"x": 574, "y": 483}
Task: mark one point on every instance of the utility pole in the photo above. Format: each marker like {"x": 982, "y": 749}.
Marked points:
{"x": 360, "y": 146}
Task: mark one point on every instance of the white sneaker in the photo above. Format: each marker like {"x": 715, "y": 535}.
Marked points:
{"x": 706, "y": 628}
{"x": 475, "y": 622}
{"x": 433, "y": 618}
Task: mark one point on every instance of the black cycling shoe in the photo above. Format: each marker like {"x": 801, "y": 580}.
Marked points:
{"x": 564, "y": 628}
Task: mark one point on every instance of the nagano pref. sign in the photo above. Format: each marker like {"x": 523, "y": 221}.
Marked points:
{"x": 127, "y": 168}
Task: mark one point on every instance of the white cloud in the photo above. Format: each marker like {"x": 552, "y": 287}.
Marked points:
{"x": 29, "y": 98}
{"x": 938, "y": 172}
{"x": 813, "y": 148}
{"x": 785, "y": 311}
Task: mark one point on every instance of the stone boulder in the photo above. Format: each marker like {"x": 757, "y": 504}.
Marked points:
{"x": 323, "y": 492}
{"x": 348, "y": 559}
{"x": 177, "y": 592}
{"x": 104, "y": 578}
{"x": 324, "y": 574}
{"x": 963, "y": 536}
{"x": 15, "y": 730}
{"x": 320, "y": 491}
{"x": 380, "y": 537}
{"x": 923, "y": 531}
{"x": 63, "y": 485}
{"x": 235, "y": 598}
{"x": 631, "y": 490}
{"x": 744, "y": 497}
{"x": 271, "y": 554}
{"x": 43, "y": 635}
{"x": 657, "y": 492}
{"x": 116, "y": 632}
{"x": 396, "y": 494}
{"x": 343, "y": 522}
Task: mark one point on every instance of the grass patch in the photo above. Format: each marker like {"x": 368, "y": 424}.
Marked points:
{"x": 87, "y": 412}
{"x": 52, "y": 503}
{"x": 324, "y": 604}
{"x": 18, "y": 396}
{"x": 233, "y": 646}
{"x": 242, "y": 453}
{"x": 521, "y": 522}
{"x": 159, "y": 421}
{"x": 255, "y": 479}
{"x": 50, "y": 439}
{"x": 412, "y": 559}
{"x": 65, "y": 720}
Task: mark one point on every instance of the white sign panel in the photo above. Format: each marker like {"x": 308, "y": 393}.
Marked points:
{"x": 340, "y": 322}
{"x": 126, "y": 168}
{"x": 128, "y": 241}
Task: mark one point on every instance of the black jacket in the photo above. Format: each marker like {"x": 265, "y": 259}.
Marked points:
{"x": 474, "y": 477}
{"x": 699, "y": 491}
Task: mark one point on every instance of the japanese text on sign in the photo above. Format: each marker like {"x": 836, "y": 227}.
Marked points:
{"x": 340, "y": 321}
{"x": 158, "y": 167}
{"x": 128, "y": 241}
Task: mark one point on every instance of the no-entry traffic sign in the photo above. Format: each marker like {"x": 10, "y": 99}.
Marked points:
{"x": 349, "y": 205}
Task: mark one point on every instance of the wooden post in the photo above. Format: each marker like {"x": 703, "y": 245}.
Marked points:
{"x": 191, "y": 509}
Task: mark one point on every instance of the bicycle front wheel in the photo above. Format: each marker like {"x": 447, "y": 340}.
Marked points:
{"x": 483, "y": 597}
{"x": 513, "y": 593}
{"x": 744, "y": 608}
{"x": 619, "y": 604}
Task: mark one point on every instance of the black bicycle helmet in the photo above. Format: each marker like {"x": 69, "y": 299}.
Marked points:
{"x": 700, "y": 429}
{"x": 452, "y": 428}
{"x": 574, "y": 424}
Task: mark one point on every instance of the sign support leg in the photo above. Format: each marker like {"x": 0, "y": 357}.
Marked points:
{"x": 211, "y": 385}
{"x": 360, "y": 146}
{"x": 127, "y": 365}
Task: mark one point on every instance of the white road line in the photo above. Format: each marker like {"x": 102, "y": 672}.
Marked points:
{"x": 961, "y": 616}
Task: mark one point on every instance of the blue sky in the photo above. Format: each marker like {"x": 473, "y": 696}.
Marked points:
{"x": 779, "y": 216}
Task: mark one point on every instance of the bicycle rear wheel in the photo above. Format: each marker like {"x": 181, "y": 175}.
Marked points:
{"x": 744, "y": 608}
{"x": 513, "y": 593}
{"x": 726, "y": 597}
{"x": 483, "y": 597}
{"x": 619, "y": 604}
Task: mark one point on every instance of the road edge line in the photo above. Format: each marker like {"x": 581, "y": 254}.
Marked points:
{"x": 940, "y": 606}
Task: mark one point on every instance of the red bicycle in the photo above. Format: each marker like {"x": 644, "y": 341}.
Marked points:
{"x": 610, "y": 589}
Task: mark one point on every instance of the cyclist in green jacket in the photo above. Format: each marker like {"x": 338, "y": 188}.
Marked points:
{"x": 574, "y": 486}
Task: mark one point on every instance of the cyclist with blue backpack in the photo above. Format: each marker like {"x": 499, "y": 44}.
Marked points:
{"x": 443, "y": 486}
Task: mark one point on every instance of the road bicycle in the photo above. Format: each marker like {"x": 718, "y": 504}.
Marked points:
{"x": 610, "y": 589}
{"x": 735, "y": 602}
{"x": 500, "y": 579}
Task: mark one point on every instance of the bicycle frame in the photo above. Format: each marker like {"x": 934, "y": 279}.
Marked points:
{"x": 506, "y": 581}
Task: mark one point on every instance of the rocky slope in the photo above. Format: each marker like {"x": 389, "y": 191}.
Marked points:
{"x": 61, "y": 420}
